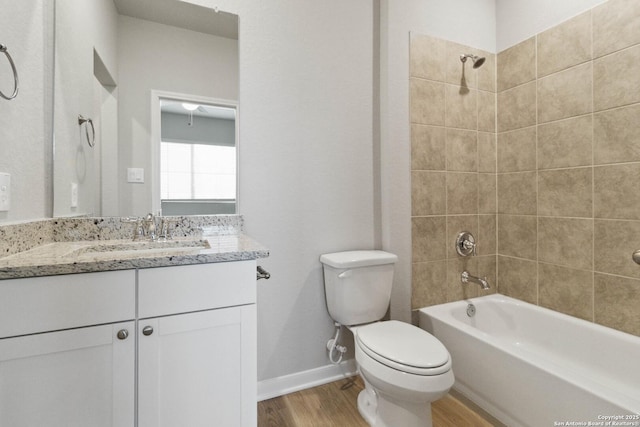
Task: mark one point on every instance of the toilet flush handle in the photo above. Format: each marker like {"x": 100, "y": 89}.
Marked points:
{"x": 344, "y": 274}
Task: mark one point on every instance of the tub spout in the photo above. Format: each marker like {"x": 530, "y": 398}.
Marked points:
{"x": 482, "y": 281}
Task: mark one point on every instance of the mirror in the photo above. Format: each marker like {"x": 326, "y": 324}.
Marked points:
{"x": 123, "y": 69}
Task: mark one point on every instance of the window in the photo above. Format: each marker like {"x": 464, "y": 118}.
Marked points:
{"x": 192, "y": 171}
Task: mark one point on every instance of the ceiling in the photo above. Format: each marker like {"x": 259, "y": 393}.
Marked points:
{"x": 203, "y": 110}
{"x": 181, "y": 14}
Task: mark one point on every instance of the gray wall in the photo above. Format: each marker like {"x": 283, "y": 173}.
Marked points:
{"x": 204, "y": 130}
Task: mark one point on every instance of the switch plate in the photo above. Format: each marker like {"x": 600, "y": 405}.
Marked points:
{"x": 135, "y": 175}
{"x": 5, "y": 192}
{"x": 74, "y": 194}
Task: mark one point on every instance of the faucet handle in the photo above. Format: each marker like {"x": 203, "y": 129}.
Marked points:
{"x": 166, "y": 233}
{"x": 138, "y": 232}
{"x": 465, "y": 244}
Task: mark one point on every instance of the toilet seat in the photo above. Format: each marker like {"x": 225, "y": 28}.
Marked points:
{"x": 403, "y": 347}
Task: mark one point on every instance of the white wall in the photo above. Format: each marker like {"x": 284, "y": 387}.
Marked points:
{"x": 469, "y": 22}
{"x": 306, "y": 180}
{"x": 517, "y": 20}
{"x": 153, "y": 56}
{"x": 25, "y": 147}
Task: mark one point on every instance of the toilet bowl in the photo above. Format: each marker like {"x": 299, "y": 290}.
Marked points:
{"x": 404, "y": 368}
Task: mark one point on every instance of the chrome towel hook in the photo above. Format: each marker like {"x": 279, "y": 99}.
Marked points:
{"x": 91, "y": 140}
{"x": 3, "y": 49}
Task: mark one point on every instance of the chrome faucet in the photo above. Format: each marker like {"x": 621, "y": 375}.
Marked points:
{"x": 150, "y": 227}
{"x": 466, "y": 278}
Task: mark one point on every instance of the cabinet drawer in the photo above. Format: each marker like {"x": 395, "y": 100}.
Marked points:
{"x": 182, "y": 289}
{"x": 41, "y": 304}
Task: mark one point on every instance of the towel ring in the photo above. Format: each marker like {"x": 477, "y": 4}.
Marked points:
{"x": 91, "y": 140}
{"x": 3, "y": 49}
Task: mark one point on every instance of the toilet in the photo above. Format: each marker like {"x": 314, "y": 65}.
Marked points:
{"x": 404, "y": 368}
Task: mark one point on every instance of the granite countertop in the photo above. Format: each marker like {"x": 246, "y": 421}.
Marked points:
{"x": 70, "y": 256}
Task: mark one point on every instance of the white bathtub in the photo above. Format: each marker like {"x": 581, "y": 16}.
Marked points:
{"x": 530, "y": 366}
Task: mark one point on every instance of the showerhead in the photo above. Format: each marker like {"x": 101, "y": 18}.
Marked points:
{"x": 477, "y": 60}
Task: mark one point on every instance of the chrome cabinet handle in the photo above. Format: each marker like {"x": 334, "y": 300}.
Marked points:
{"x": 122, "y": 334}
{"x": 636, "y": 256}
{"x": 147, "y": 330}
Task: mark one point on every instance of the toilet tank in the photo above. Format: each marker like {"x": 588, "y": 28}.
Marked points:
{"x": 358, "y": 285}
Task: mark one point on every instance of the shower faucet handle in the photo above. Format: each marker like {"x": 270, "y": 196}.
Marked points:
{"x": 465, "y": 244}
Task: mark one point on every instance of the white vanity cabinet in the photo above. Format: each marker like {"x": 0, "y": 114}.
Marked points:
{"x": 54, "y": 369}
{"x": 197, "y": 345}
{"x": 155, "y": 347}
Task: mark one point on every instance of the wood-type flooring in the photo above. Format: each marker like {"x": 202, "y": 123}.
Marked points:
{"x": 335, "y": 405}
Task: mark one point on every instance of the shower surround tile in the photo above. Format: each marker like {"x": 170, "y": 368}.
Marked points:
{"x": 427, "y": 102}
{"x": 486, "y": 111}
{"x": 616, "y": 80}
{"x": 565, "y": 94}
{"x": 428, "y": 147}
{"x": 462, "y": 147}
{"x": 517, "y": 150}
{"x": 565, "y": 143}
{"x": 613, "y": 247}
{"x": 566, "y": 290}
{"x": 461, "y": 107}
{"x": 429, "y": 238}
{"x": 517, "y": 193}
{"x": 518, "y": 278}
{"x": 487, "y": 193}
{"x": 516, "y": 65}
{"x": 615, "y": 193}
{"x": 429, "y": 284}
{"x": 615, "y": 134}
{"x": 462, "y": 193}
{"x": 462, "y": 150}
{"x": 565, "y": 192}
{"x": 487, "y": 152}
{"x": 517, "y": 107}
{"x": 428, "y": 193}
{"x": 574, "y": 182}
{"x": 487, "y": 235}
{"x": 566, "y": 241}
{"x": 487, "y": 73}
{"x": 517, "y": 236}
{"x": 564, "y": 45}
{"x": 615, "y": 26}
{"x": 616, "y": 303}
{"x": 427, "y": 57}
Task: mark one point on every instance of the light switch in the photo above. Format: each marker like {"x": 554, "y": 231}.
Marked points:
{"x": 5, "y": 192}
{"x": 135, "y": 175}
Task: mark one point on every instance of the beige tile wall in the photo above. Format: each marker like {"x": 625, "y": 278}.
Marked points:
{"x": 568, "y": 159}
{"x": 551, "y": 199}
{"x": 453, "y": 168}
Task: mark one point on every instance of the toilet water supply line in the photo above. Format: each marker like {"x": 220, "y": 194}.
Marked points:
{"x": 333, "y": 346}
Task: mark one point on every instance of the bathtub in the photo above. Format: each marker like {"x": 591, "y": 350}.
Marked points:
{"x": 530, "y": 366}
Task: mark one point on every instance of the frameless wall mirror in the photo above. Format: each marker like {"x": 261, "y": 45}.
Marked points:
{"x": 130, "y": 65}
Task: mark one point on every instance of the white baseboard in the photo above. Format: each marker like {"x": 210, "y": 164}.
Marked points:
{"x": 291, "y": 383}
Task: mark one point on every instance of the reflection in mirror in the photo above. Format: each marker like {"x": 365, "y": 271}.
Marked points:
{"x": 197, "y": 156}
{"x": 110, "y": 57}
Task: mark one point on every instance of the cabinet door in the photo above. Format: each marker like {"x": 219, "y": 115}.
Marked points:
{"x": 80, "y": 377}
{"x": 198, "y": 369}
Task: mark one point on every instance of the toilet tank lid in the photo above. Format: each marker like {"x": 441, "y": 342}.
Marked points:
{"x": 353, "y": 259}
